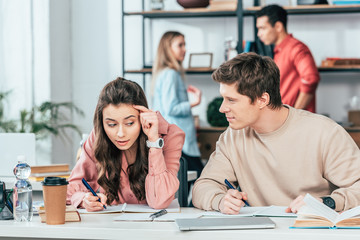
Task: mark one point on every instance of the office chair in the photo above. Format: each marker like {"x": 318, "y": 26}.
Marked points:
{"x": 182, "y": 193}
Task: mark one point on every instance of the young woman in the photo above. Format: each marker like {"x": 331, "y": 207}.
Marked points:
{"x": 170, "y": 94}
{"x": 132, "y": 155}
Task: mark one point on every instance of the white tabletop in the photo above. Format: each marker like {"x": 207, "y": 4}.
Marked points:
{"x": 102, "y": 226}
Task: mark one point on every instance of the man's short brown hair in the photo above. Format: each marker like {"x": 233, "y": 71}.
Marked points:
{"x": 254, "y": 75}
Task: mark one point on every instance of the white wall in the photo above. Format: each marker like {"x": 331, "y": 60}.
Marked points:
{"x": 96, "y": 51}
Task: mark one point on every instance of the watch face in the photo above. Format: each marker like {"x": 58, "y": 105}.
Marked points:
{"x": 161, "y": 142}
{"x": 328, "y": 201}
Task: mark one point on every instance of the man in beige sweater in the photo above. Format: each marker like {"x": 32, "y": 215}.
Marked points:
{"x": 275, "y": 153}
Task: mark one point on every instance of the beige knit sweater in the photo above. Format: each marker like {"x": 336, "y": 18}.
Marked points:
{"x": 309, "y": 153}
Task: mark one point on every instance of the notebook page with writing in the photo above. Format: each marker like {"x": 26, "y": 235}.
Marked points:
{"x": 270, "y": 211}
{"x": 109, "y": 209}
{"x": 274, "y": 211}
{"x": 174, "y": 207}
{"x": 140, "y": 208}
{"x": 244, "y": 212}
{"x": 145, "y": 217}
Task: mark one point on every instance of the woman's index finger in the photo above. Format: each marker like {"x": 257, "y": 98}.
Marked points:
{"x": 141, "y": 108}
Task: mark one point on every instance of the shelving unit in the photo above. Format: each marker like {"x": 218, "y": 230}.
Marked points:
{"x": 187, "y": 13}
{"x": 239, "y": 13}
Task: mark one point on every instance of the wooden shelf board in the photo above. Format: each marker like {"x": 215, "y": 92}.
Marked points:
{"x": 190, "y": 12}
{"x": 214, "y": 12}
{"x": 349, "y": 68}
{"x": 319, "y": 8}
{"x": 189, "y": 70}
{"x": 345, "y": 68}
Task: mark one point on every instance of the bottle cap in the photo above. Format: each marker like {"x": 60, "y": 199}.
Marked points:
{"x": 21, "y": 158}
{"x": 54, "y": 181}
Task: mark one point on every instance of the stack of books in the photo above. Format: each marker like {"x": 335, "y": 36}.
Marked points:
{"x": 38, "y": 173}
{"x": 225, "y": 5}
{"x": 71, "y": 214}
{"x": 341, "y": 62}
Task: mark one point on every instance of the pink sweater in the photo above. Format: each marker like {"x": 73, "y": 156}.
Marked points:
{"x": 161, "y": 183}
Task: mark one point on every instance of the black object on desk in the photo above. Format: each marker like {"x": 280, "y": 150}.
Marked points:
{"x": 158, "y": 214}
{"x": 6, "y": 205}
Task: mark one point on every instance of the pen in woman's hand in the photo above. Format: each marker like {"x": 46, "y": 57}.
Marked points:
{"x": 232, "y": 187}
{"x": 91, "y": 190}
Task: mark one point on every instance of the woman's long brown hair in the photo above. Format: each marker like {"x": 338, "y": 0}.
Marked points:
{"x": 108, "y": 156}
{"x": 165, "y": 58}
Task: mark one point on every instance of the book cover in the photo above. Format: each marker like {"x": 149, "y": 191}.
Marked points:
{"x": 40, "y": 176}
{"x": 50, "y": 168}
{"x": 315, "y": 214}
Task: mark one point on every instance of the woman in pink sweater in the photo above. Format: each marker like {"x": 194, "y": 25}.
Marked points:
{"x": 132, "y": 154}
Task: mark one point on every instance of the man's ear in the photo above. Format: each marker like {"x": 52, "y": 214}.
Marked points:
{"x": 264, "y": 100}
{"x": 279, "y": 27}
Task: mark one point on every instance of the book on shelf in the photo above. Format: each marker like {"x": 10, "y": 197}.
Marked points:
{"x": 315, "y": 214}
{"x": 71, "y": 214}
{"x": 50, "y": 168}
{"x": 223, "y": 5}
{"x": 340, "y": 62}
{"x": 346, "y": 2}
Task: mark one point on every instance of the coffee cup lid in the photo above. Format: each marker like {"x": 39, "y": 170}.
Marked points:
{"x": 54, "y": 181}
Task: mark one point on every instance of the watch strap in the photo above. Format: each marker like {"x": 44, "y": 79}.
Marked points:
{"x": 159, "y": 143}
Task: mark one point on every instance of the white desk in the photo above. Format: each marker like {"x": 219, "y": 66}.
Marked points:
{"x": 101, "y": 226}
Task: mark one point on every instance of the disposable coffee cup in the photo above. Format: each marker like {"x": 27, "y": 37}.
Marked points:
{"x": 54, "y": 192}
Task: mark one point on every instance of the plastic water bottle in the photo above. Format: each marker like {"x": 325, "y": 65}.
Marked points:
{"x": 22, "y": 196}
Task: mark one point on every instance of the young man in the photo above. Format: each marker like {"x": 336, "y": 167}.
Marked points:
{"x": 274, "y": 152}
{"x": 299, "y": 76}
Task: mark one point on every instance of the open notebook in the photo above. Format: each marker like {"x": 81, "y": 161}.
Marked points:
{"x": 270, "y": 211}
{"x": 145, "y": 217}
{"x": 174, "y": 207}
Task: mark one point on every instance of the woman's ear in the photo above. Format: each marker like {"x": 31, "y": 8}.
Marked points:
{"x": 264, "y": 100}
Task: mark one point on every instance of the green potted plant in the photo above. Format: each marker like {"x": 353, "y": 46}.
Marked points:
{"x": 48, "y": 118}
{"x": 214, "y": 116}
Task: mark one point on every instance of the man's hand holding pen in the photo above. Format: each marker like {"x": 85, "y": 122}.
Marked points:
{"x": 232, "y": 202}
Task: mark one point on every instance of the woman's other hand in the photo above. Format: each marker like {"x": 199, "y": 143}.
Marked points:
{"x": 197, "y": 93}
{"x": 149, "y": 122}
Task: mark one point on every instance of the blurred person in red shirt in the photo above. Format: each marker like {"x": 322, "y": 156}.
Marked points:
{"x": 299, "y": 76}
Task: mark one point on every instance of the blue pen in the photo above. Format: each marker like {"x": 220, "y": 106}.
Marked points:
{"x": 232, "y": 187}
{"x": 91, "y": 190}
